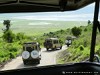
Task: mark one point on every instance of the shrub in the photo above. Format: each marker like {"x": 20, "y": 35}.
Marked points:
{"x": 13, "y": 49}
{"x": 76, "y": 31}
{"x": 9, "y": 36}
{"x": 89, "y": 22}
{"x": 77, "y": 43}
{"x": 12, "y": 55}
{"x": 81, "y": 47}
{"x": 85, "y": 29}
{"x": 61, "y": 41}
{"x": 62, "y": 31}
{"x": 20, "y": 36}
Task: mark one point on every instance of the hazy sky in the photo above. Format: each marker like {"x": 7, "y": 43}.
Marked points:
{"x": 83, "y": 14}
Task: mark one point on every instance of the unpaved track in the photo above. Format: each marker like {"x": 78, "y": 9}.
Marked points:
{"x": 47, "y": 58}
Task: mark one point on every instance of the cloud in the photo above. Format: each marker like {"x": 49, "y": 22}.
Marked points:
{"x": 39, "y": 23}
{"x": 71, "y": 17}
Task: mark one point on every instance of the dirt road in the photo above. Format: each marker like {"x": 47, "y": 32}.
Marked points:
{"x": 47, "y": 58}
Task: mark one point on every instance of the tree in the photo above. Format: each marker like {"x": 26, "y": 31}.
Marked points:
{"x": 8, "y": 36}
{"x": 76, "y": 31}
{"x": 89, "y": 22}
{"x": 7, "y": 24}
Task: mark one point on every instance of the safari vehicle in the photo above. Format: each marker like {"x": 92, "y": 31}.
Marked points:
{"x": 52, "y": 43}
{"x": 69, "y": 40}
{"x": 81, "y": 68}
{"x": 31, "y": 53}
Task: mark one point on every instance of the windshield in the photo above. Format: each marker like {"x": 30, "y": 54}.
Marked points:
{"x": 48, "y": 41}
{"x": 19, "y": 28}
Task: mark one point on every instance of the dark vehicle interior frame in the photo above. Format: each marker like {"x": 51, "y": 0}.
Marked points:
{"x": 18, "y": 6}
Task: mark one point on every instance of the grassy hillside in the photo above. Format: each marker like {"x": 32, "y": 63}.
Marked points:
{"x": 80, "y": 48}
{"x": 34, "y": 31}
{"x": 39, "y": 27}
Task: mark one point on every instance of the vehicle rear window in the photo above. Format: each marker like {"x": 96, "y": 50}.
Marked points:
{"x": 29, "y": 49}
{"x": 55, "y": 41}
{"x": 48, "y": 41}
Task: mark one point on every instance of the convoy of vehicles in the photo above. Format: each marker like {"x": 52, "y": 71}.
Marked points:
{"x": 31, "y": 53}
{"x": 52, "y": 43}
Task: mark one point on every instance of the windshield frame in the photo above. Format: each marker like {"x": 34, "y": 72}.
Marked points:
{"x": 92, "y": 51}
{"x": 94, "y": 30}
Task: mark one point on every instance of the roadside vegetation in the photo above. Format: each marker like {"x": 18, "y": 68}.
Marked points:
{"x": 11, "y": 42}
{"x": 80, "y": 49}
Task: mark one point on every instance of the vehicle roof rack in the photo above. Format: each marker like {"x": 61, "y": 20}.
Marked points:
{"x": 30, "y": 43}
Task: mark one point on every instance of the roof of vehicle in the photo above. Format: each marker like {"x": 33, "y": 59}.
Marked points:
{"x": 70, "y": 37}
{"x": 52, "y": 39}
{"x": 31, "y": 43}
{"x": 7, "y": 6}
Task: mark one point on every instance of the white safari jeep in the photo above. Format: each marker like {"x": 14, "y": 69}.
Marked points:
{"x": 52, "y": 43}
{"x": 31, "y": 53}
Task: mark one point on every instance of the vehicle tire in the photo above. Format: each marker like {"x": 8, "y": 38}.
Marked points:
{"x": 54, "y": 48}
{"x": 47, "y": 49}
{"x": 61, "y": 47}
{"x": 25, "y": 62}
{"x": 67, "y": 45}
{"x": 38, "y": 61}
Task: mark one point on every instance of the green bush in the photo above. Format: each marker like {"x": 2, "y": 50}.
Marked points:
{"x": 9, "y": 51}
{"x": 61, "y": 41}
{"x": 77, "y": 43}
{"x": 12, "y": 55}
{"x": 13, "y": 49}
{"x": 8, "y": 36}
{"x": 76, "y": 31}
{"x": 81, "y": 47}
{"x": 20, "y": 36}
{"x": 85, "y": 29}
{"x": 86, "y": 42}
{"x": 89, "y": 22}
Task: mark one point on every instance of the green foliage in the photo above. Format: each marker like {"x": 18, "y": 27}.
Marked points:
{"x": 20, "y": 36}
{"x": 85, "y": 29}
{"x": 89, "y": 22}
{"x": 76, "y": 31}
{"x": 81, "y": 47}
{"x": 86, "y": 42}
{"x": 8, "y": 36}
{"x": 11, "y": 45}
{"x": 12, "y": 55}
{"x": 7, "y": 24}
{"x": 77, "y": 43}
{"x": 9, "y": 51}
{"x": 61, "y": 41}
